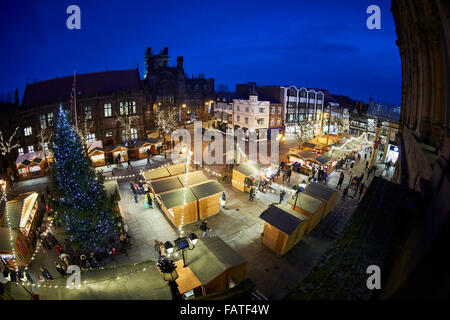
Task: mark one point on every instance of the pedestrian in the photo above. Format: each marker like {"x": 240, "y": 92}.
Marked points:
{"x": 289, "y": 173}
{"x": 344, "y": 193}
{"x": 324, "y": 177}
{"x": 367, "y": 164}
{"x": 351, "y": 164}
{"x": 282, "y": 194}
{"x": 64, "y": 257}
{"x": 341, "y": 180}
{"x": 46, "y": 274}
{"x": 59, "y": 249}
{"x": 204, "y": 227}
{"x": 60, "y": 269}
{"x": 158, "y": 248}
{"x": 250, "y": 193}
{"x": 129, "y": 163}
{"x": 223, "y": 200}
{"x": 362, "y": 190}
{"x": 148, "y": 200}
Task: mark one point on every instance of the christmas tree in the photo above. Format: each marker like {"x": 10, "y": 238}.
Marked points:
{"x": 82, "y": 203}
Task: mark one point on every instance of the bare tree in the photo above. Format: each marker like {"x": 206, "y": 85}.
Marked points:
{"x": 84, "y": 129}
{"x": 304, "y": 132}
{"x": 6, "y": 147}
{"x": 127, "y": 123}
{"x": 167, "y": 121}
{"x": 44, "y": 138}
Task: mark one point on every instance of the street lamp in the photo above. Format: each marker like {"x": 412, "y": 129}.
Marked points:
{"x": 168, "y": 247}
{"x": 170, "y": 274}
{"x": 186, "y": 243}
{"x": 300, "y": 188}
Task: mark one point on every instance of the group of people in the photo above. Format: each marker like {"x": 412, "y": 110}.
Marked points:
{"x": 322, "y": 174}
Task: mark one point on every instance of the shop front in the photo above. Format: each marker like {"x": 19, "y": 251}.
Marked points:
{"x": 31, "y": 165}
{"x": 120, "y": 150}
{"x": 96, "y": 153}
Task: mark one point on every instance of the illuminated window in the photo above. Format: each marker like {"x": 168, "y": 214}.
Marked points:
{"x": 108, "y": 110}
{"x": 279, "y": 110}
{"x": 42, "y": 121}
{"x": 20, "y": 150}
{"x": 46, "y": 146}
{"x": 246, "y": 120}
{"x": 279, "y": 121}
{"x": 30, "y": 149}
{"x": 272, "y": 110}
{"x": 90, "y": 137}
{"x": 272, "y": 121}
{"x": 109, "y": 134}
{"x": 87, "y": 113}
{"x": 50, "y": 119}
{"x": 133, "y": 133}
{"x": 27, "y": 131}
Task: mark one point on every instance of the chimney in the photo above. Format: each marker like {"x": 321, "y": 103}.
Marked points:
{"x": 16, "y": 97}
{"x": 179, "y": 62}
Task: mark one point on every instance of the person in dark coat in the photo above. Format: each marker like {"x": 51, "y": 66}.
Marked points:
{"x": 60, "y": 269}
{"x": 341, "y": 180}
{"x": 46, "y": 274}
{"x": 344, "y": 193}
{"x": 282, "y": 194}
{"x": 204, "y": 227}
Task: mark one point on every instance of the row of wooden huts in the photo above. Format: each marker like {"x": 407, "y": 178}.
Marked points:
{"x": 183, "y": 194}
{"x": 286, "y": 224}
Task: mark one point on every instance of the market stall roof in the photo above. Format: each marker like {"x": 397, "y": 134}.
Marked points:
{"x": 322, "y": 159}
{"x": 155, "y": 174}
{"x": 118, "y": 146}
{"x": 13, "y": 209}
{"x": 207, "y": 189}
{"x": 166, "y": 184}
{"x": 27, "y": 158}
{"x": 187, "y": 280}
{"x": 5, "y": 240}
{"x": 140, "y": 143}
{"x": 283, "y": 217}
{"x": 212, "y": 256}
{"x": 308, "y": 145}
{"x": 248, "y": 168}
{"x": 95, "y": 145}
{"x": 320, "y": 190}
{"x": 306, "y": 202}
{"x": 307, "y": 154}
{"x": 179, "y": 168}
{"x": 192, "y": 178}
{"x": 176, "y": 197}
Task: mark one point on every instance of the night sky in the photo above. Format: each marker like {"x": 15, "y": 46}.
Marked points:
{"x": 318, "y": 44}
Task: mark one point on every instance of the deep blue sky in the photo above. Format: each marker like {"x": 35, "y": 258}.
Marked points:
{"x": 320, "y": 44}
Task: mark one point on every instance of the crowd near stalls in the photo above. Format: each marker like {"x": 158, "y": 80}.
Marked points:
{"x": 283, "y": 227}
{"x": 212, "y": 267}
{"x": 309, "y": 161}
{"x": 19, "y": 219}
{"x": 183, "y": 195}
{"x": 96, "y": 153}
{"x": 251, "y": 174}
{"x": 33, "y": 164}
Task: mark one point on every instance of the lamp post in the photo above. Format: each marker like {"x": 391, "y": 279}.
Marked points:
{"x": 299, "y": 189}
{"x": 170, "y": 274}
{"x": 182, "y": 244}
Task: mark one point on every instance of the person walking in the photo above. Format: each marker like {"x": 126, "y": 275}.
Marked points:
{"x": 204, "y": 227}
{"x": 158, "y": 248}
{"x": 60, "y": 269}
{"x": 341, "y": 180}
{"x": 149, "y": 155}
{"x": 362, "y": 190}
{"x": 250, "y": 193}
{"x": 282, "y": 194}
{"x": 223, "y": 200}
{"x": 134, "y": 192}
{"x": 148, "y": 199}
{"x": 344, "y": 193}
{"x": 46, "y": 274}
{"x": 367, "y": 164}
{"x": 129, "y": 163}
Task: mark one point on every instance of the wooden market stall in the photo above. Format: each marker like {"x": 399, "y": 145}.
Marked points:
{"x": 176, "y": 209}
{"x": 192, "y": 178}
{"x": 164, "y": 185}
{"x": 122, "y": 150}
{"x": 155, "y": 174}
{"x": 31, "y": 165}
{"x": 325, "y": 162}
{"x": 283, "y": 228}
{"x": 179, "y": 168}
{"x": 242, "y": 173}
{"x": 96, "y": 153}
{"x": 216, "y": 265}
{"x": 25, "y": 213}
{"x": 208, "y": 195}
{"x": 324, "y": 193}
{"x": 141, "y": 148}
{"x": 305, "y": 158}
{"x": 310, "y": 207}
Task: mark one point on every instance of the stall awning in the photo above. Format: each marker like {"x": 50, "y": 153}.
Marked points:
{"x": 27, "y": 158}
{"x": 248, "y": 168}
{"x": 307, "y": 154}
{"x": 118, "y": 147}
{"x": 283, "y": 218}
{"x": 187, "y": 280}
{"x": 166, "y": 184}
{"x": 192, "y": 178}
{"x": 320, "y": 190}
{"x": 14, "y": 209}
{"x": 207, "y": 189}
{"x": 176, "y": 198}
